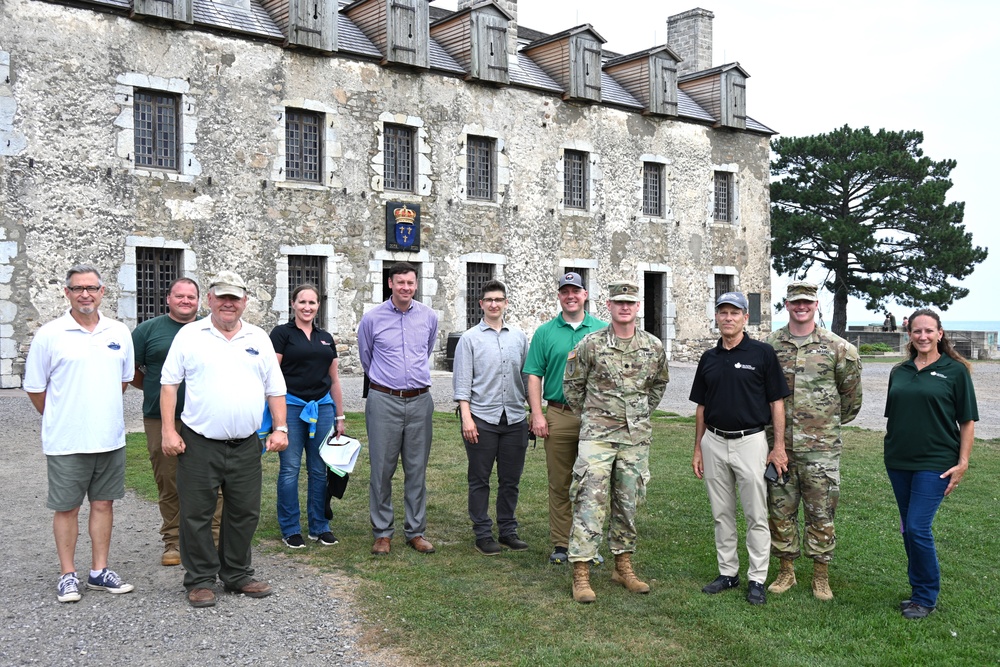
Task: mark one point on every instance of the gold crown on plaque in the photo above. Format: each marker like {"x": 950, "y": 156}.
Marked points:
{"x": 404, "y": 214}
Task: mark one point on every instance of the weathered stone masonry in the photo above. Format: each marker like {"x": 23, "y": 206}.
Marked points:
{"x": 70, "y": 190}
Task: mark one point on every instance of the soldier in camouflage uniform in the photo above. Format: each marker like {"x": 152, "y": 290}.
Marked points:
{"x": 824, "y": 372}
{"x": 614, "y": 380}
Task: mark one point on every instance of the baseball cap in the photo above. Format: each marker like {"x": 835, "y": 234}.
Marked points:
{"x": 571, "y": 278}
{"x": 734, "y": 299}
{"x": 228, "y": 283}
{"x": 800, "y": 290}
{"x": 623, "y": 290}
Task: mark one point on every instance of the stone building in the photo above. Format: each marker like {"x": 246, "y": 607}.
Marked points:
{"x": 280, "y": 138}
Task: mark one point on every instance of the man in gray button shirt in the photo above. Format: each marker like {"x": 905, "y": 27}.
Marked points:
{"x": 490, "y": 389}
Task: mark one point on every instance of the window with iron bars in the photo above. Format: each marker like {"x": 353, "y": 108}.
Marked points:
{"x": 480, "y": 167}
{"x": 476, "y": 275}
{"x": 155, "y": 269}
{"x": 652, "y": 189}
{"x": 398, "y": 152}
{"x": 575, "y": 179}
{"x": 155, "y": 119}
{"x": 303, "y": 155}
{"x": 723, "y": 284}
{"x": 723, "y": 196}
{"x": 308, "y": 269}
{"x": 583, "y": 275}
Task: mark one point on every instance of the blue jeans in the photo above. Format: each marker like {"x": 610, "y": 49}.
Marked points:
{"x": 918, "y": 495}
{"x": 288, "y": 473}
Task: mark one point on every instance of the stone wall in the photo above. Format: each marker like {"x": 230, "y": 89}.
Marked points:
{"x": 71, "y": 193}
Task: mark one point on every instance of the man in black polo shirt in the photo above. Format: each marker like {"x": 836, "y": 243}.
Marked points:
{"x": 739, "y": 387}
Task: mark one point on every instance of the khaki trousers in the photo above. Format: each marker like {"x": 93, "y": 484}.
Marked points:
{"x": 165, "y": 473}
{"x": 560, "y": 455}
{"x": 731, "y": 465}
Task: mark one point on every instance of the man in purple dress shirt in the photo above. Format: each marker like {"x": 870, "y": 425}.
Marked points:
{"x": 396, "y": 340}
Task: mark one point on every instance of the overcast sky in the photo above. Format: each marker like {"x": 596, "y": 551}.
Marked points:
{"x": 815, "y": 66}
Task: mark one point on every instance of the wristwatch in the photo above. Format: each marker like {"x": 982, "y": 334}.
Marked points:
{"x": 283, "y": 429}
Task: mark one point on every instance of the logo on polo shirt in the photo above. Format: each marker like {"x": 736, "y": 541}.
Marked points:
{"x": 940, "y": 375}
{"x": 252, "y": 351}
{"x": 324, "y": 342}
{"x": 747, "y": 367}
{"x": 114, "y": 345}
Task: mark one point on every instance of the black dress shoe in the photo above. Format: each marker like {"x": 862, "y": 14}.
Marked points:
{"x": 513, "y": 542}
{"x": 756, "y": 593}
{"x": 721, "y": 583}
{"x": 917, "y": 611}
{"x": 487, "y": 546}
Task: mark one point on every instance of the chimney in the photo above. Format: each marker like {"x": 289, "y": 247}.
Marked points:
{"x": 509, "y": 6}
{"x": 690, "y": 35}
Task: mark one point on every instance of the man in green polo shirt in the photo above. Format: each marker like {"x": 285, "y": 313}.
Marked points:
{"x": 545, "y": 366}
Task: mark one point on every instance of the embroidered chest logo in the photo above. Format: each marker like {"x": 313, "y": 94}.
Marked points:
{"x": 746, "y": 367}
{"x": 114, "y": 346}
{"x": 252, "y": 352}
{"x": 939, "y": 375}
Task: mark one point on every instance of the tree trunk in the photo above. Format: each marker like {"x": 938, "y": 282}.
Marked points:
{"x": 839, "y": 323}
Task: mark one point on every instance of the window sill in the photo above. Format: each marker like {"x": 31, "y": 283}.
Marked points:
{"x": 163, "y": 175}
{"x": 300, "y": 185}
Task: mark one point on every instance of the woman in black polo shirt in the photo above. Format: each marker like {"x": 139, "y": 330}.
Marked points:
{"x": 308, "y": 358}
{"x": 931, "y": 411}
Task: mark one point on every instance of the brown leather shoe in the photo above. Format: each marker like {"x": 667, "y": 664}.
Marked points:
{"x": 252, "y": 589}
{"x": 171, "y": 556}
{"x": 381, "y": 547}
{"x": 201, "y": 597}
{"x": 421, "y": 545}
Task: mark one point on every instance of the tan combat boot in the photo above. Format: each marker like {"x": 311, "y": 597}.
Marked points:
{"x": 582, "y": 592}
{"x": 624, "y": 575}
{"x": 786, "y": 577}
{"x": 821, "y": 581}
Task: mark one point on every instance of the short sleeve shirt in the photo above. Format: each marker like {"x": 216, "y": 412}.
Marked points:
{"x": 550, "y": 346}
{"x": 81, "y": 373}
{"x": 152, "y": 341}
{"x": 737, "y": 386}
{"x": 228, "y": 380}
{"x": 305, "y": 362}
{"x": 924, "y": 409}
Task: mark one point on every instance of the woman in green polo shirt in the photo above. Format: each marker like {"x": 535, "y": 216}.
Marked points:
{"x": 931, "y": 412}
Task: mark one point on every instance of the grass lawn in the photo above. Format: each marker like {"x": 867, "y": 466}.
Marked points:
{"x": 456, "y": 607}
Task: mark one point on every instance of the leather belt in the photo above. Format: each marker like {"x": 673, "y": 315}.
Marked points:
{"x": 402, "y": 393}
{"x": 557, "y": 404}
{"x": 732, "y": 435}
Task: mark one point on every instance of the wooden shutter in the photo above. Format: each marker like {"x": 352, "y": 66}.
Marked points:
{"x": 664, "y": 86}
{"x": 172, "y": 10}
{"x": 489, "y": 49}
{"x": 585, "y": 69}
{"x": 408, "y": 32}
{"x": 313, "y": 23}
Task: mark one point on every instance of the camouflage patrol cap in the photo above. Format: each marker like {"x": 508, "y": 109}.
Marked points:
{"x": 800, "y": 290}
{"x": 623, "y": 290}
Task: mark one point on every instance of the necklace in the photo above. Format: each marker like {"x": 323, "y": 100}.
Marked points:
{"x": 924, "y": 363}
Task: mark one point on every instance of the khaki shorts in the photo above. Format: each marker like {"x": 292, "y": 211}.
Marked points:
{"x": 98, "y": 476}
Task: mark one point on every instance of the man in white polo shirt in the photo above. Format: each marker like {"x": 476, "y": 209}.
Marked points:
{"x": 77, "y": 368}
{"x": 229, "y": 368}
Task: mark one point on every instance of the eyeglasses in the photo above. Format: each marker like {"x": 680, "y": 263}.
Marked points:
{"x": 493, "y": 300}
{"x": 89, "y": 289}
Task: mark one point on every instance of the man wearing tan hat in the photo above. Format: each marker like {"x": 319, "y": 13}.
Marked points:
{"x": 614, "y": 380}
{"x": 229, "y": 369}
{"x": 824, "y": 373}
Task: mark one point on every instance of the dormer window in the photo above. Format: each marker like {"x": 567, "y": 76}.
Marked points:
{"x": 171, "y": 10}
{"x": 311, "y": 23}
{"x": 476, "y": 38}
{"x": 398, "y": 28}
{"x": 573, "y": 59}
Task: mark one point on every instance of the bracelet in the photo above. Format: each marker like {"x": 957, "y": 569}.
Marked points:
{"x": 341, "y": 418}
